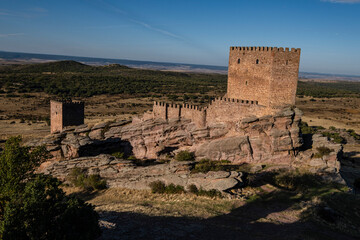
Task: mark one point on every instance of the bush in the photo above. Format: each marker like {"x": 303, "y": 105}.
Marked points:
{"x": 293, "y": 180}
{"x": 185, "y": 156}
{"x": 79, "y": 178}
{"x": 193, "y": 189}
{"x": 209, "y": 193}
{"x": 174, "y": 189}
{"x": 157, "y": 187}
{"x": 206, "y": 165}
{"x": 160, "y": 187}
{"x": 118, "y": 155}
{"x": 334, "y": 136}
{"x": 32, "y": 206}
{"x": 322, "y": 151}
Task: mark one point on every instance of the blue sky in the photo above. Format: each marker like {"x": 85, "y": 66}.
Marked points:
{"x": 187, "y": 31}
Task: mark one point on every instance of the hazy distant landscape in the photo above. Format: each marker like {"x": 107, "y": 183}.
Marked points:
{"x": 7, "y": 58}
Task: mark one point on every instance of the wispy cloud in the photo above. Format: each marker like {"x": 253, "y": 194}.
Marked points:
{"x": 38, "y": 10}
{"x": 3, "y": 35}
{"x": 28, "y": 13}
{"x": 342, "y": 1}
{"x": 164, "y": 32}
{"x": 141, "y": 23}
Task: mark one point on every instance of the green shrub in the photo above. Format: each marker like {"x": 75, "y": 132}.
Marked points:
{"x": 332, "y": 128}
{"x": 118, "y": 155}
{"x": 306, "y": 129}
{"x": 157, "y": 187}
{"x": 293, "y": 180}
{"x": 185, "y": 156}
{"x": 33, "y": 206}
{"x": 79, "y": 178}
{"x": 353, "y": 134}
{"x": 209, "y": 193}
{"x": 334, "y": 136}
{"x": 174, "y": 189}
{"x": 322, "y": 151}
{"x": 206, "y": 165}
{"x": 193, "y": 189}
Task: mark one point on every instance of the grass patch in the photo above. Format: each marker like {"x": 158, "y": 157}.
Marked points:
{"x": 160, "y": 187}
{"x": 79, "y": 178}
{"x": 185, "y": 156}
{"x": 322, "y": 151}
{"x": 201, "y": 192}
{"x": 206, "y": 165}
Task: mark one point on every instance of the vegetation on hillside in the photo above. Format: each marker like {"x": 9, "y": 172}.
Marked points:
{"x": 73, "y": 79}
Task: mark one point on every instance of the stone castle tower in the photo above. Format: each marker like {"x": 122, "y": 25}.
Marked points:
{"x": 65, "y": 113}
{"x": 263, "y": 74}
{"x": 261, "y": 80}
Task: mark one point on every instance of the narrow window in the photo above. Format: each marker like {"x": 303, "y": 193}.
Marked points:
{"x": 287, "y": 62}
{"x": 257, "y": 61}
{"x": 239, "y": 61}
{"x": 246, "y": 83}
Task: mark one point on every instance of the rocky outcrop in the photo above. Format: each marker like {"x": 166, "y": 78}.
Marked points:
{"x": 270, "y": 138}
{"x": 318, "y": 162}
{"x": 125, "y": 174}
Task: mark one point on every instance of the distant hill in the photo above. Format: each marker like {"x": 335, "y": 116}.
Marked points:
{"x": 25, "y": 58}
{"x": 57, "y": 67}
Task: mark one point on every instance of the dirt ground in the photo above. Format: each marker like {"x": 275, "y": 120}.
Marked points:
{"x": 140, "y": 214}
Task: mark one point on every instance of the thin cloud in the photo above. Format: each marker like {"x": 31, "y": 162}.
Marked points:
{"x": 342, "y": 1}
{"x": 141, "y": 23}
{"x": 10, "y": 34}
{"x": 148, "y": 26}
{"x": 38, "y": 10}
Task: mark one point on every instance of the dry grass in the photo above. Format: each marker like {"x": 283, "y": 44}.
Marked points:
{"x": 326, "y": 112}
{"x": 145, "y": 202}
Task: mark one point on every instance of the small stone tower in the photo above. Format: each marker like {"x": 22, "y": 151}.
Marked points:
{"x": 65, "y": 113}
{"x": 264, "y": 74}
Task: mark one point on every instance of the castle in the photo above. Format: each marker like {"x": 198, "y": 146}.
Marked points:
{"x": 65, "y": 113}
{"x": 261, "y": 80}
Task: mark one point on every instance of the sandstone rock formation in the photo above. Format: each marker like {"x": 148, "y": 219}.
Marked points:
{"x": 125, "y": 174}
{"x": 270, "y": 138}
{"x": 274, "y": 140}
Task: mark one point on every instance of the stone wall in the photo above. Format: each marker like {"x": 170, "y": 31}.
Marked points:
{"x": 231, "y": 110}
{"x": 56, "y": 116}
{"x": 167, "y": 111}
{"x": 263, "y": 74}
{"x": 160, "y": 110}
{"x": 66, "y": 113}
{"x": 195, "y": 113}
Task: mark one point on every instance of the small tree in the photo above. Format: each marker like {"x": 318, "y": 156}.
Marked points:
{"x": 32, "y": 206}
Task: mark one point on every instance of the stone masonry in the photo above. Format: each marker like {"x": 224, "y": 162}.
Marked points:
{"x": 261, "y": 80}
{"x": 66, "y": 113}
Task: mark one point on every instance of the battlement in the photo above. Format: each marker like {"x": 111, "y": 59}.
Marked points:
{"x": 266, "y": 49}
{"x": 234, "y": 100}
{"x": 176, "y": 112}
{"x": 68, "y": 101}
{"x": 260, "y": 79}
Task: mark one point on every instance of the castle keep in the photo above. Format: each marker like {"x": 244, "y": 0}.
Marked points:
{"x": 65, "y": 113}
{"x": 263, "y": 74}
{"x": 261, "y": 80}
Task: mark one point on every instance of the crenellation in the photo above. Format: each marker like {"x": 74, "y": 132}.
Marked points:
{"x": 260, "y": 80}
